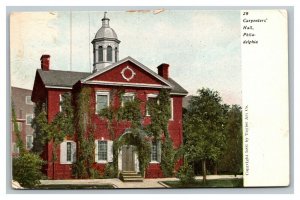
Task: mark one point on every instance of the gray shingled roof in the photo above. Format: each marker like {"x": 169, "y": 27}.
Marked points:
{"x": 61, "y": 78}
{"x": 69, "y": 78}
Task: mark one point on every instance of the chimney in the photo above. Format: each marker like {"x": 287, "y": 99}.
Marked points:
{"x": 45, "y": 62}
{"x": 163, "y": 70}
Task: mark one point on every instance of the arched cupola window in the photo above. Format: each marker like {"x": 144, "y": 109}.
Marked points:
{"x": 116, "y": 54}
{"x": 100, "y": 54}
{"x": 109, "y": 53}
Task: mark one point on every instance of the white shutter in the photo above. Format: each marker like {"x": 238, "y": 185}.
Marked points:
{"x": 158, "y": 143}
{"x": 96, "y": 150}
{"x": 63, "y": 153}
{"x": 73, "y": 157}
{"x": 110, "y": 152}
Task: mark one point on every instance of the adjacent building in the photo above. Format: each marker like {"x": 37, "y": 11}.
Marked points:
{"x": 24, "y": 109}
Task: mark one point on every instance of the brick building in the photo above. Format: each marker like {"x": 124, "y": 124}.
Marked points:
{"x": 24, "y": 107}
{"x": 137, "y": 80}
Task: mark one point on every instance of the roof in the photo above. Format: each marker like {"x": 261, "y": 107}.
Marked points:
{"x": 106, "y": 32}
{"x": 61, "y": 78}
{"x": 66, "y": 79}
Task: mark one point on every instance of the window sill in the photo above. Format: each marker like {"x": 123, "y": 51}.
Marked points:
{"x": 66, "y": 163}
{"x": 102, "y": 161}
{"x": 154, "y": 162}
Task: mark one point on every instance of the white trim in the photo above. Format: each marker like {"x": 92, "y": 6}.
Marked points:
{"x": 181, "y": 94}
{"x": 28, "y": 103}
{"x": 63, "y": 152}
{"x": 101, "y": 92}
{"x": 127, "y": 94}
{"x": 172, "y": 109}
{"x": 31, "y": 118}
{"x": 132, "y": 73}
{"x": 31, "y": 141}
{"x": 126, "y": 84}
{"x": 97, "y": 153}
{"x": 57, "y": 87}
{"x": 60, "y": 100}
{"x": 150, "y": 96}
{"x": 125, "y": 60}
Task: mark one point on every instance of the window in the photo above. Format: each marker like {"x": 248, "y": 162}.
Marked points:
{"x": 127, "y": 97}
{"x": 116, "y": 54}
{"x": 100, "y": 54}
{"x": 60, "y": 102}
{"x": 109, "y": 53}
{"x": 155, "y": 152}
{"x": 102, "y": 150}
{"x": 69, "y": 151}
{"x": 15, "y": 148}
{"x": 19, "y": 126}
{"x": 29, "y": 119}
{"x": 28, "y": 100}
{"x": 171, "y": 106}
{"x": 29, "y": 141}
{"x": 150, "y": 98}
{"x": 102, "y": 101}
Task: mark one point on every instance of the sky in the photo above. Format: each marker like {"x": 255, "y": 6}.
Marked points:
{"x": 201, "y": 47}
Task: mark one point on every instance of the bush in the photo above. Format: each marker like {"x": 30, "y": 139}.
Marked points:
{"x": 186, "y": 174}
{"x": 27, "y": 169}
{"x": 109, "y": 171}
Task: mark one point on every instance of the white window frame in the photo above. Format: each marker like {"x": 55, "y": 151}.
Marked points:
{"x": 127, "y": 94}
{"x": 31, "y": 142}
{"x": 31, "y": 118}
{"x": 149, "y": 96}
{"x": 158, "y": 153}
{"x": 109, "y": 151}
{"x": 172, "y": 109}
{"x": 15, "y": 148}
{"x": 101, "y": 93}
{"x": 63, "y": 155}
{"x": 26, "y": 100}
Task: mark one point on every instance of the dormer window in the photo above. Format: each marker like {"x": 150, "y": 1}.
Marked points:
{"x": 109, "y": 53}
{"x": 100, "y": 54}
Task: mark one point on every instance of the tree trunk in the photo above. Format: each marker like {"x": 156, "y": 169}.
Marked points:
{"x": 216, "y": 169}
{"x": 204, "y": 171}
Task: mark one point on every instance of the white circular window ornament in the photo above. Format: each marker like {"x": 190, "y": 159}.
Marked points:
{"x": 127, "y": 73}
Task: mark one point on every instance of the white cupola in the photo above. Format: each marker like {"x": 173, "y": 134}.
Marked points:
{"x": 105, "y": 46}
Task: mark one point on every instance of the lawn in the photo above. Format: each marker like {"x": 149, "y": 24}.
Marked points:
{"x": 72, "y": 187}
{"x": 218, "y": 183}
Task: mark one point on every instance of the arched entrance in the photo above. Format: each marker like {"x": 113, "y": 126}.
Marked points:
{"x": 128, "y": 159}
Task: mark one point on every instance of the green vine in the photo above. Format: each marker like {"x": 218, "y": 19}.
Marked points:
{"x": 19, "y": 141}
{"x": 85, "y": 135}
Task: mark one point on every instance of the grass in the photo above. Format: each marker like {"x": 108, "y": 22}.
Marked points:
{"x": 72, "y": 187}
{"x": 218, "y": 183}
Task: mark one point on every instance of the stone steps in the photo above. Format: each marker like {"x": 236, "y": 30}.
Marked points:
{"x": 131, "y": 176}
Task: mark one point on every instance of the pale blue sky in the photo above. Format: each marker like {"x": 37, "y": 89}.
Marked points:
{"x": 202, "y": 47}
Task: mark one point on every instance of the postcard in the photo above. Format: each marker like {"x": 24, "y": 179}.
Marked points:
{"x": 149, "y": 99}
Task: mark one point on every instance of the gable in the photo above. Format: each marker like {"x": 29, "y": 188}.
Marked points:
{"x": 127, "y": 72}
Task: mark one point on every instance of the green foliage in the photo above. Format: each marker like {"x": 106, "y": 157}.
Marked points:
{"x": 85, "y": 135}
{"x": 40, "y": 126}
{"x": 109, "y": 171}
{"x": 27, "y": 169}
{"x": 231, "y": 161}
{"x": 168, "y": 157}
{"x": 19, "y": 141}
{"x": 186, "y": 174}
{"x": 204, "y": 127}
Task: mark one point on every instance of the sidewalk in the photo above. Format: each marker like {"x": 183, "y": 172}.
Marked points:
{"x": 117, "y": 183}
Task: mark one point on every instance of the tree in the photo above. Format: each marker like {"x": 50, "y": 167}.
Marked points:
{"x": 232, "y": 159}
{"x": 203, "y": 128}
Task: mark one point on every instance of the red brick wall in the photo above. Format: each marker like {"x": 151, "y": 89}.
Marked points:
{"x": 64, "y": 171}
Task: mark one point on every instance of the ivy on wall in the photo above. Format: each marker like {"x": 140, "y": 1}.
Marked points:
{"x": 85, "y": 135}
